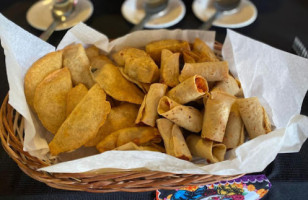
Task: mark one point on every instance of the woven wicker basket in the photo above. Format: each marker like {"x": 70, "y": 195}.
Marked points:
{"x": 12, "y": 133}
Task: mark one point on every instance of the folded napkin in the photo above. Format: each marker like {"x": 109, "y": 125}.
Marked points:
{"x": 249, "y": 187}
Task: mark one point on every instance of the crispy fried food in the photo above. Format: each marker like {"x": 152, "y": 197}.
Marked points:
{"x": 169, "y": 68}
{"x": 138, "y": 135}
{"x": 122, "y": 116}
{"x": 234, "y": 135}
{"x": 148, "y": 110}
{"x": 155, "y": 48}
{"x": 230, "y": 86}
{"x": 123, "y": 55}
{"x": 74, "y": 96}
{"x": 114, "y": 84}
{"x": 133, "y": 146}
{"x": 83, "y": 123}
{"x": 211, "y": 71}
{"x": 38, "y": 71}
{"x": 142, "y": 69}
{"x": 50, "y": 99}
{"x": 173, "y": 139}
{"x": 190, "y": 57}
{"x": 217, "y": 110}
{"x": 143, "y": 86}
{"x": 99, "y": 61}
{"x": 76, "y": 60}
{"x": 191, "y": 89}
{"x": 187, "y": 117}
{"x": 204, "y": 51}
{"x": 211, "y": 151}
{"x": 254, "y": 117}
{"x": 138, "y": 65}
{"x": 92, "y": 51}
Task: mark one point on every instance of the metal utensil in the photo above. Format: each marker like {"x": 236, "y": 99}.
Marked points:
{"x": 61, "y": 10}
{"x": 221, "y": 6}
{"x": 151, "y": 7}
{"x": 299, "y": 48}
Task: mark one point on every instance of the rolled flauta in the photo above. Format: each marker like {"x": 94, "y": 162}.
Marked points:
{"x": 148, "y": 110}
{"x": 173, "y": 139}
{"x": 254, "y": 117}
{"x": 211, "y": 71}
{"x": 184, "y": 116}
{"x": 169, "y": 68}
{"x": 234, "y": 135}
{"x": 191, "y": 89}
{"x": 207, "y": 149}
{"x": 230, "y": 86}
{"x": 217, "y": 109}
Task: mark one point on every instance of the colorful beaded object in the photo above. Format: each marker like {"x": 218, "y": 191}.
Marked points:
{"x": 249, "y": 187}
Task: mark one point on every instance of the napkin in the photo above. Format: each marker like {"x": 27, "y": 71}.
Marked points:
{"x": 248, "y": 187}
{"x": 279, "y": 79}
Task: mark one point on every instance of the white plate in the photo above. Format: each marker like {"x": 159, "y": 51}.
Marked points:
{"x": 133, "y": 12}
{"x": 39, "y": 15}
{"x": 243, "y": 16}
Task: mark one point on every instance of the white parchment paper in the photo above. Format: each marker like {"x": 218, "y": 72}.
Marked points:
{"x": 278, "y": 78}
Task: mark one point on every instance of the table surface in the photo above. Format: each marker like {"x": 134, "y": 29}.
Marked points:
{"x": 278, "y": 22}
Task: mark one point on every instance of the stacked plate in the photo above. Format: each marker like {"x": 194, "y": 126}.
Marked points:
{"x": 82, "y": 12}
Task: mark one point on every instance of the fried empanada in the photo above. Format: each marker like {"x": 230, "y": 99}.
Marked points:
{"x": 122, "y": 116}
{"x": 138, "y": 135}
{"x": 114, "y": 84}
{"x": 38, "y": 71}
{"x": 50, "y": 99}
{"x": 123, "y": 55}
{"x": 76, "y": 60}
{"x": 83, "y": 123}
{"x": 92, "y": 51}
{"x": 155, "y": 48}
{"x": 74, "y": 96}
